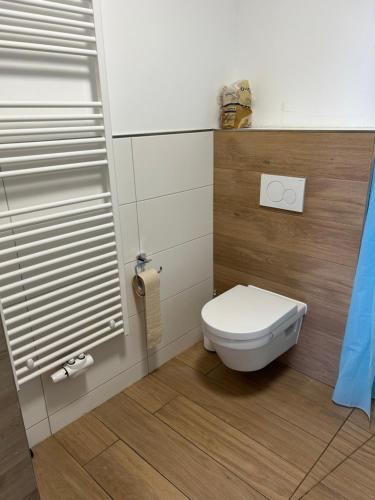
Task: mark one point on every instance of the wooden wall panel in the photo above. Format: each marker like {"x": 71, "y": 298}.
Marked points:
{"x": 17, "y": 480}
{"x": 310, "y": 256}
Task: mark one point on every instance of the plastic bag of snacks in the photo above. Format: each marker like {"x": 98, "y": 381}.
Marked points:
{"x": 236, "y": 105}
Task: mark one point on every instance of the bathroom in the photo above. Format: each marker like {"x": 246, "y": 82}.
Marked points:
{"x": 230, "y": 377}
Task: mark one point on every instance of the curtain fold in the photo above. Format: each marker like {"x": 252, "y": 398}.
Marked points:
{"x": 355, "y": 383}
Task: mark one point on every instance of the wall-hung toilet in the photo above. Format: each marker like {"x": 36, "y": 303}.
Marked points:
{"x": 249, "y": 327}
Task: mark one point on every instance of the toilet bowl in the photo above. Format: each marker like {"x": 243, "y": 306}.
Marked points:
{"x": 249, "y": 327}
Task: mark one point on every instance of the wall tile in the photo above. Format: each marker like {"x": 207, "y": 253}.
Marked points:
{"x": 176, "y": 162}
{"x": 38, "y": 433}
{"x": 183, "y": 267}
{"x": 182, "y": 312}
{"x": 32, "y": 402}
{"x": 174, "y": 348}
{"x": 171, "y": 220}
{"x": 176, "y": 230}
{"x": 122, "y": 149}
{"x": 97, "y": 396}
{"x": 111, "y": 358}
{"x": 129, "y": 231}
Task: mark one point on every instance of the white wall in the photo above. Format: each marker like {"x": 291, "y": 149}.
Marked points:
{"x": 167, "y": 61}
{"x": 311, "y": 64}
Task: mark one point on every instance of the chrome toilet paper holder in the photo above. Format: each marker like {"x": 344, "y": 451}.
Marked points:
{"x": 142, "y": 260}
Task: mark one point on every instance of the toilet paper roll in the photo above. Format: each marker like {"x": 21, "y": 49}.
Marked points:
{"x": 147, "y": 285}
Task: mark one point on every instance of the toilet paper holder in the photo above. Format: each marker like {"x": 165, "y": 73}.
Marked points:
{"x": 142, "y": 260}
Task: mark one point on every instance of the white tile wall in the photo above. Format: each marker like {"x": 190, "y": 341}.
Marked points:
{"x": 174, "y": 219}
{"x": 129, "y": 231}
{"x": 165, "y": 164}
{"x": 122, "y": 150}
{"x": 111, "y": 358}
{"x": 32, "y": 401}
{"x": 166, "y": 209}
{"x": 183, "y": 266}
{"x": 38, "y": 432}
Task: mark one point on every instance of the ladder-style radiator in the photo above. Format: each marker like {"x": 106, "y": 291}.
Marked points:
{"x": 61, "y": 282}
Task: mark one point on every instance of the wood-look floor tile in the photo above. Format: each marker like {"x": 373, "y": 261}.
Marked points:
{"x": 150, "y": 393}
{"x": 125, "y": 475}
{"x": 85, "y": 438}
{"x": 355, "y": 479}
{"x": 199, "y": 359}
{"x": 281, "y": 375}
{"x": 322, "y": 492}
{"x": 360, "y": 418}
{"x": 59, "y": 476}
{"x": 192, "y": 471}
{"x": 252, "y": 462}
{"x": 293, "y": 444}
{"x": 350, "y": 437}
{"x": 330, "y": 459}
{"x": 321, "y": 420}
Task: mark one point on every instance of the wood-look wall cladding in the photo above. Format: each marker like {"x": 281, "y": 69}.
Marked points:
{"x": 310, "y": 256}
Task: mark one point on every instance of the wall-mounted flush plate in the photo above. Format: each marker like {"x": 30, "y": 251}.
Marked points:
{"x": 279, "y": 191}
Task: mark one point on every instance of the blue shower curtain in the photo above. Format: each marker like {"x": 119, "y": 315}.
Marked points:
{"x": 355, "y": 384}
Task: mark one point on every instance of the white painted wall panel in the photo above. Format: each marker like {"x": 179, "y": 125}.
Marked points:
{"x": 167, "y": 61}
{"x": 310, "y": 64}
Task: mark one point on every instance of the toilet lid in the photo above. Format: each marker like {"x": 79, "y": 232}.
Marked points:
{"x": 247, "y": 312}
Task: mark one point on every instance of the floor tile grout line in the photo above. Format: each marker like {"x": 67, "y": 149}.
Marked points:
{"x": 149, "y": 411}
{"x": 325, "y": 449}
{"x": 143, "y": 458}
{"x": 207, "y": 454}
{"x": 81, "y": 467}
{"x": 101, "y": 453}
{"x": 239, "y": 430}
{"x": 265, "y": 408}
{"x": 233, "y": 427}
{"x": 290, "y": 368}
{"x": 195, "y": 369}
{"x": 65, "y": 448}
{"x": 343, "y": 461}
{"x": 214, "y": 368}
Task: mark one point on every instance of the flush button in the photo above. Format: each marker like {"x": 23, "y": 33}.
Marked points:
{"x": 280, "y": 191}
{"x": 289, "y": 196}
{"x": 275, "y": 191}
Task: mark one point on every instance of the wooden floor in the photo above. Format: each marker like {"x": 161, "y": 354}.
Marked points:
{"x": 195, "y": 429}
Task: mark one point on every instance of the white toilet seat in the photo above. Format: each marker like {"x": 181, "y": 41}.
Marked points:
{"x": 247, "y": 313}
{"x": 249, "y": 327}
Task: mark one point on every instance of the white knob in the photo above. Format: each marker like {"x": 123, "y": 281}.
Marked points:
{"x": 112, "y": 324}
{"x": 30, "y": 363}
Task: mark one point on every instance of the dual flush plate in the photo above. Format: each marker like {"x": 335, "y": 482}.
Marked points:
{"x": 280, "y": 191}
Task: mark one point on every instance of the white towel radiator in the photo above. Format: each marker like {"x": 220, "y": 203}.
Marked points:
{"x": 61, "y": 285}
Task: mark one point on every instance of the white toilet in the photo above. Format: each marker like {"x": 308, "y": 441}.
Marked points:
{"x": 249, "y": 327}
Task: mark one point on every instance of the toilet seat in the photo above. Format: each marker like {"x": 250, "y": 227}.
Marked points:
{"x": 247, "y": 313}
